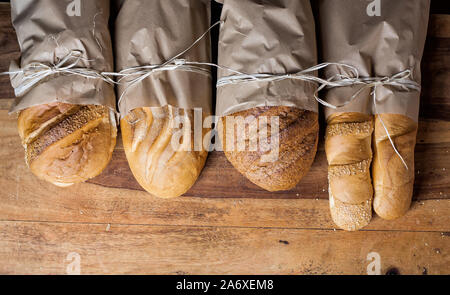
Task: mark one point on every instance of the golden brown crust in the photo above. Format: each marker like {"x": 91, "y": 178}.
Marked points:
{"x": 66, "y": 144}
{"x": 298, "y": 136}
{"x": 160, "y": 167}
{"x": 393, "y": 182}
{"x": 42, "y": 116}
{"x": 349, "y": 154}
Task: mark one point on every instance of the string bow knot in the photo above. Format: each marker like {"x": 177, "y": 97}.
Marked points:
{"x": 35, "y": 72}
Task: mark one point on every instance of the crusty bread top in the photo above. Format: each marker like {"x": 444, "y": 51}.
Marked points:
{"x": 67, "y": 143}
{"x": 161, "y": 168}
{"x": 298, "y": 135}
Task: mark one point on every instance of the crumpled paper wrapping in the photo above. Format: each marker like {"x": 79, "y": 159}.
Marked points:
{"x": 377, "y": 46}
{"x": 47, "y": 33}
{"x": 150, "y": 32}
{"x": 270, "y": 37}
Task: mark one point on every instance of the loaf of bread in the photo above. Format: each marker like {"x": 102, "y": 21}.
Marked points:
{"x": 65, "y": 143}
{"x": 385, "y": 54}
{"x": 161, "y": 167}
{"x": 393, "y": 182}
{"x": 298, "y": 136}
{"x": 348, "y": 148}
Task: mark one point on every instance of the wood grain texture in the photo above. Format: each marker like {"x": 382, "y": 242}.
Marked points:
{"x": 435, "y": 98}
{"x": 31, "y": 247}
{"x": 9, "y": 49}
{"x": 224, "y": 224}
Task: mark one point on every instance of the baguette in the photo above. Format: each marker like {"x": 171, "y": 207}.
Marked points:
{"x": 65, "y": 143}
{"x": 349, "y": 154}
{"x": 162, "y": 169}
{"x": 298, "y": 137}
{"x": 393, "y": 182}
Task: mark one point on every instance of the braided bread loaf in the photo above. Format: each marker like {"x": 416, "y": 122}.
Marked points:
{"x": 348, "y": 147}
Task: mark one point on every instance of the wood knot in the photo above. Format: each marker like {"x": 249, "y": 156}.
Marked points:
{"x": 392, "y": 271}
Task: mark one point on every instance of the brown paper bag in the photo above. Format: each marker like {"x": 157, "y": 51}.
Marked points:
{"x": 47, "y": 31}
{"x": 167, "y": 28}
{"x": 271, "y": 37}
{"x": 379, "y": 38}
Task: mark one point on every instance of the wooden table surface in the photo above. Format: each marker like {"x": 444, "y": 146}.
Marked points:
{"x": 224, "y": 224}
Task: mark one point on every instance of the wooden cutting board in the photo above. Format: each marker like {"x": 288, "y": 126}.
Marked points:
{"x": 224, "y": 224}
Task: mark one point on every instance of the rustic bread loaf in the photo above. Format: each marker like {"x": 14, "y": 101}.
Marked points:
{"x": 393, "y": 182}
{"x": 161, "y": 167}
{"x": 348, "y": 148}
{"x": 66, "y": 143}
{"x": 298, "y": 136}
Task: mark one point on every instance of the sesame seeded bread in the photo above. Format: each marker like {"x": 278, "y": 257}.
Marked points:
{"x": 348, "y": 141}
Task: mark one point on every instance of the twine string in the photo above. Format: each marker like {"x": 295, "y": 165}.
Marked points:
{"x": 35, "y": 72}
{"x": 304, "y": 75}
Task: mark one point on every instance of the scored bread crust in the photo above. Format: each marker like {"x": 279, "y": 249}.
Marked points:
{"x": 393, "y": 182}
{"x": 348, "y": 140}
{"x": 163, "y": 169}
{"x": 298, "y": 137}
{"x": 65, "y": 143}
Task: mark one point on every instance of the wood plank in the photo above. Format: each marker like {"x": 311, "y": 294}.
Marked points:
{"x": 42, "y": 248}
{"x": 439, "y": 26}
{"x": 112, "y": 206}
{"x": 435, "y": 98}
